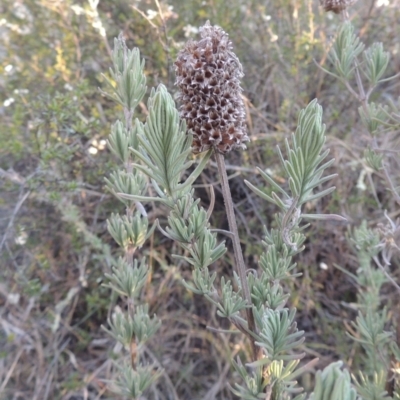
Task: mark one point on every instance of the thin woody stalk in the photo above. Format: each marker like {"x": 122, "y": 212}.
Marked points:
{"x": 240, "y": 265}
{"x": 208, "y": 77}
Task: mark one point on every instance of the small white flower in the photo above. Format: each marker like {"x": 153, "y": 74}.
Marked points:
{"x": 21, "y": 238}
{"x": 102, "y": 144}
{"x": 151, "y": 14}
{"x": 382, "y": 3}
{"x": 78, "y": 10}
{"x": 190, "y": 30}
{"x": 93, "y": 150}
{"x": 21, "y": 91}
{"x": 13, "y": 298}
{"x": 323, "y": 266}
{"x": 8, "y": 102}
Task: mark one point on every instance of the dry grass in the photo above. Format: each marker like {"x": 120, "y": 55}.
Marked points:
{"x": 52, "y": 303}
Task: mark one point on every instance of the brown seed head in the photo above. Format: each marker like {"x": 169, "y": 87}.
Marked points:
{"x": 336, "y": 5}
{"x": 208, "y": 77}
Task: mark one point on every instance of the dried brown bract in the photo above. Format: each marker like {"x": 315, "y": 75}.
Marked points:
{"x": 208, "y": 77}
{"x": 336, "y": 6}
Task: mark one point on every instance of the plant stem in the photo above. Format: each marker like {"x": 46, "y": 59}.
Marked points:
{"x": 364, "y": 99}
{"x": 240, "y": 266}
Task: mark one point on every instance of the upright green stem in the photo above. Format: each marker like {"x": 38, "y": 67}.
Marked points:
{"x": 364, "y": 99}
{"x": 240, "y": 266}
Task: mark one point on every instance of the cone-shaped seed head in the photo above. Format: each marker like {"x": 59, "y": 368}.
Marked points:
{"x": 208, "y": 77}
{"x": 336, "y": 5}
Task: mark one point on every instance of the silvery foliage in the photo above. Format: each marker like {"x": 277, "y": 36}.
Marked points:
{"x": 374, "y": 247}
{"x": 333, "y": 383}
{"x": 158, "y": 157}
{"x": 277, "y": 334}
{"x": 162, "y": 152}
{"x": 134, "y": 326}
{"x": 377, "y": 118}
{"x": 155, "y": 170}
{"x": 370, "y": 326}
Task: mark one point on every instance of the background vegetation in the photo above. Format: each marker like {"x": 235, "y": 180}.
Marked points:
{"x": 54, "y": 243}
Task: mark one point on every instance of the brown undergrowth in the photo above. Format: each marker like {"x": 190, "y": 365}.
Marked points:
{"x": 54, "y": 244}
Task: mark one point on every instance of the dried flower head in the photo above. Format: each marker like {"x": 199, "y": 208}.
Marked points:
{"x": 336, "y": 5}
{"x": 208, "y": 77}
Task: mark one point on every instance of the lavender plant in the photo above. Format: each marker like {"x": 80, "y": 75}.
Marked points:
{"x": 156, "y": 157}
{"x": 374, "y": 247}
{"x": 207, "y": 76}
{"x": 132, "y": 326}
